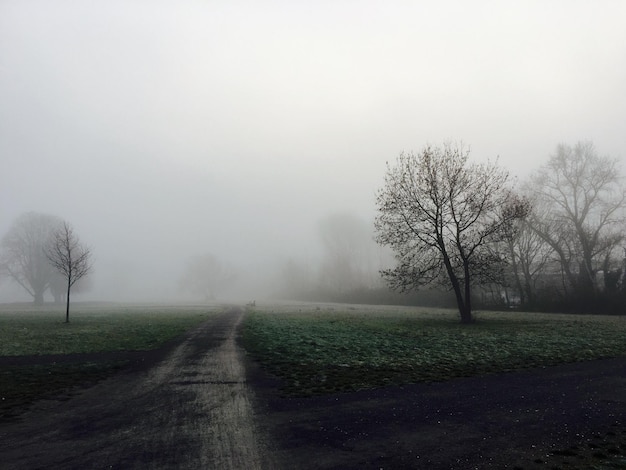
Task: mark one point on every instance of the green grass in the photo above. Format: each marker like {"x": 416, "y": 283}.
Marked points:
{"x": 25, "y": 332}
{"x": 97, "y": 329}
{"x": 318, "y": 352}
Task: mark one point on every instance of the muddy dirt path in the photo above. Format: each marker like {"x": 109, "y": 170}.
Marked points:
{"x": 192, "y": 410}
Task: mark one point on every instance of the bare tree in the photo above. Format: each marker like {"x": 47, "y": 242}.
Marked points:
{"x": 440, "y": 213}
{"x": 22, "y": 257}
{"x": 529, "y": 255}
{"x": 70, "y": 258}
{"x": 583, "y": 222}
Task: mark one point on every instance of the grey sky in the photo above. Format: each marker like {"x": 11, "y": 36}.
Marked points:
{"x": 164, "y": 129}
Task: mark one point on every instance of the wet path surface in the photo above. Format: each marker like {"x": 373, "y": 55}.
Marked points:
{"x": 571, "y": 416}
{"x": 192, "y": 410}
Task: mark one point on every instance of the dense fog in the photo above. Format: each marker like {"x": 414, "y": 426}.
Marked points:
{"x": 256, "y": 134}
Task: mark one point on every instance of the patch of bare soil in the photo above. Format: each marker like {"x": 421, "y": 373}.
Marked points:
{"x": 564, "y": 417}
{"x": 186, "y": 407}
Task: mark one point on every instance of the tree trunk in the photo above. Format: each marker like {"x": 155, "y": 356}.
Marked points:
{"x": 466, "y": 316}
{"x": 521, "y": 289}
{"x": 67, "y": 305}
{"x": 516, "y": 273}
{"x": 586, "y": 284}
{"x": 38, "y": 298}
{"x": 529, "y": 300}
{"x": 466, "y": 313}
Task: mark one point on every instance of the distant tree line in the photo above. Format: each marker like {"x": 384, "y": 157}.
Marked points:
{"x": 448, "y": 232}
{"x": 568, "y": 253}
{"x": 463, "y": 234}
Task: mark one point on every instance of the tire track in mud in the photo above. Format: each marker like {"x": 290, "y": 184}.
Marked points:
{"x": 192, "y": 410}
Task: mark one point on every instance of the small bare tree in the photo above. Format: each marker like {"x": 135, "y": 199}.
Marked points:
{"x": 440, "y": 214}
{"x": 70, "y": 257}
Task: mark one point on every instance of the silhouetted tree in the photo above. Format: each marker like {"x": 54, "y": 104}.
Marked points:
{"x": 529, "y": 256}
{"x": 583, "y": 222}
{"x": 439, "y": 213}
{"x": 22, "y": 255}
{"x": 69, "y": 257}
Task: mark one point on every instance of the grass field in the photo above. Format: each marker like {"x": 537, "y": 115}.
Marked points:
{"x": 25, "y": 332}
{"x": 93, "y": 329}
{"x": 328, "y": 349}
{"x": 315, "y": 350}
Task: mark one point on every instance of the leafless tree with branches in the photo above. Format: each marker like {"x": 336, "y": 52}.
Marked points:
{"x": 22, "y": 256}
{"x": 529, "y": 255}
{"x": 70, "y": 257}
{"x": 584, "y": 220}
{"x": 439, "y": 213}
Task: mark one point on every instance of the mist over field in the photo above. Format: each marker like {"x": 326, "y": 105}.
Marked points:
{"x": 258, "y": 133}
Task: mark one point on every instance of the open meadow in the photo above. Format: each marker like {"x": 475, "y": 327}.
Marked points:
{"x": 406, "y": 365}
{"x": 313, "y": 348}
{"x": 331, "y": 347}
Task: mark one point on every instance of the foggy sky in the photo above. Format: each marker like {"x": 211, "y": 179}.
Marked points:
{"x": 165, "y": 129}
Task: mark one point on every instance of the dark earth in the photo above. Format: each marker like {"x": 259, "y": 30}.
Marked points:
{"x": 200, "y": 403}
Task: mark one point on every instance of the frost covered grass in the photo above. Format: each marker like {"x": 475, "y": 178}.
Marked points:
{"x": 319, "y": 350}
{"x": 93, "y": 329}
